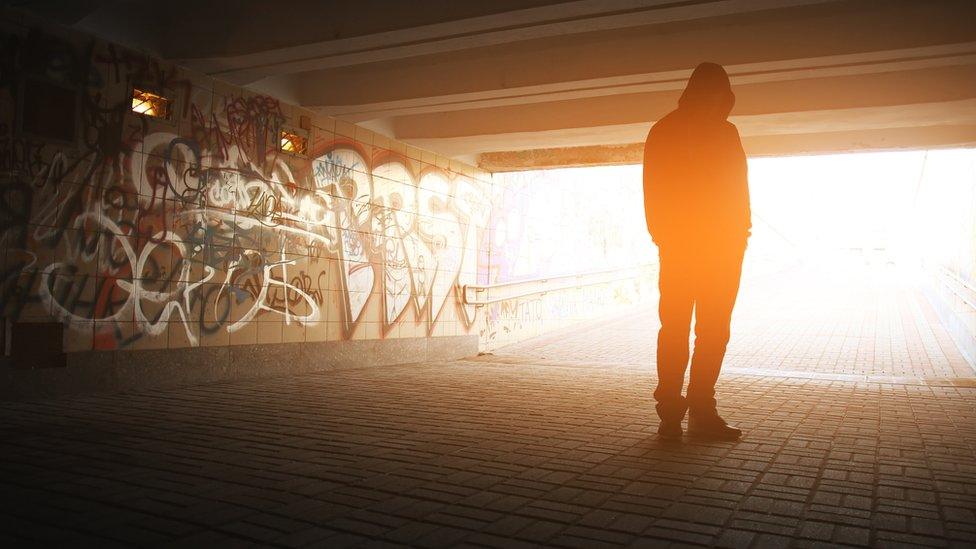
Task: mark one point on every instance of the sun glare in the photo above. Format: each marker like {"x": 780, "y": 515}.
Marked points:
{"x": 900, "y": 209}
{"x": 841, "y": 213}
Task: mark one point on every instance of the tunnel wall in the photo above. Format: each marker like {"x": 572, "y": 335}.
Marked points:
{"x": 143, "y": 252}
{"x": 546, "y": 224}
{"x": 945, "y": 228}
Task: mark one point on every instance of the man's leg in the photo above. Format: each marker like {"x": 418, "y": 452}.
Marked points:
{"x": 674, "y": 308}
{"x": 715, "y": 300}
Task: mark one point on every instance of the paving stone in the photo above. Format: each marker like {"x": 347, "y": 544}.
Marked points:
{"x": 444, "y": 536}
{"x": 858, "y": 431}
{"x": 735, "y": 538}
{"x": 303, "y": 537}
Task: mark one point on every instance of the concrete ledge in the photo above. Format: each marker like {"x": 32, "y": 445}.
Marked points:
{"x": 959, "y": 330}
{"x": 112, "y": 371}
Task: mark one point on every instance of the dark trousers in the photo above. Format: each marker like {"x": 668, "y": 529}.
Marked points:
{"x": 702, "y": 278}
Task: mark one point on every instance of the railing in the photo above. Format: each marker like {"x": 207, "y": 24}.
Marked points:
{"x": 480, "y": 295}
{"x": 968, "y": 300}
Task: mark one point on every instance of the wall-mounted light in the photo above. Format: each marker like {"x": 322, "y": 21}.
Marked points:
{"x": 291, "y": 142}
{"x": 149, "y": 104}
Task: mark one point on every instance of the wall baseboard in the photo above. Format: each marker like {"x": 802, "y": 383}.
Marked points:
{"x": 112, "y": 371}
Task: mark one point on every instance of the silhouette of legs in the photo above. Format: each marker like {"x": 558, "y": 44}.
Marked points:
{"x": 674, "y": 308}
{"x": 714, "y": 299}
{"x": 703, "y": 279}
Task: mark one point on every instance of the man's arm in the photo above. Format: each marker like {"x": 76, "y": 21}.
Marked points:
{"x": 742, "y": 184}
{"x": 649, "y": 188}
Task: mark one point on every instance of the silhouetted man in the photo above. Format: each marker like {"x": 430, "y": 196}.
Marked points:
{"x": 696, "y": 199}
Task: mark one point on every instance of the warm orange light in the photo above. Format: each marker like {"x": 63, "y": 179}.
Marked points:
{"x": 293, "y": 143}
{"x": 149, "y": 104}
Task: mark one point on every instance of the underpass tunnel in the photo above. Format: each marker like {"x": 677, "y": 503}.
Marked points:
{"x": 380, "y": 190}
{"x": 857, "y": 264}
{"x": 375, "y": 273}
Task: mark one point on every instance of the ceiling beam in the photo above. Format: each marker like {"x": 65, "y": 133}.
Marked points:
{"x": 746, "y": 73}
{"x": 949, "y": 113}
{"x": 540, "y": 22}
{"x": 949, "y": 83}
{"x": 906, "y": 138}
{"x": 555, "y": 64}
{"x": 562, "y": 157}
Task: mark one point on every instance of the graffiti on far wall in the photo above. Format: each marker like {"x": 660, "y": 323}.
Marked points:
{"x": 191, "y": 230}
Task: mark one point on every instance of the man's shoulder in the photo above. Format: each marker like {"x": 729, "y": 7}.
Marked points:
{"x": 663, "y": 125}
{"x": 729, "y": 127}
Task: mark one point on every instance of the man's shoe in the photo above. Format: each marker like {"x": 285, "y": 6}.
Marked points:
{"x": 669, "y": 430}
{"x": 711, "y": 426}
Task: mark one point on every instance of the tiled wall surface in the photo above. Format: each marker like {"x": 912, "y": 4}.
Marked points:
{"x": 197, "y": 230}
{"x": 944, "y": 230}
{"x": 944, "y": 226}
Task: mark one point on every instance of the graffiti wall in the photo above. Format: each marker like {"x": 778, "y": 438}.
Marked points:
{"x": 192, "y": 224}
{"x": 197, "y": 228}
{"x": 550, "y": 223}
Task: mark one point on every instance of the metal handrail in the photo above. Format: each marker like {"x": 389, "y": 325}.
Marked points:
{"x": 576, "y": 278}
{"x": 958, "y": 280}
{"x": 962, "y": 282}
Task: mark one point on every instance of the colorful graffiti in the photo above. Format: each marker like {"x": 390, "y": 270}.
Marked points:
{"x": 190, "y": 230}
{"x": 195, "y": 230}
{"x": 414, "y": 237}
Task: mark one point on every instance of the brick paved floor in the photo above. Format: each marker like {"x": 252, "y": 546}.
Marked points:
{"x": 505, "y": 451}
{"x": 860, "y": 322}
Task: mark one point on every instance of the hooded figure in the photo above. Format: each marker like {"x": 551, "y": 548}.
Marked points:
{"x": 696, "y": 201}
{"x": 694, "y": 168}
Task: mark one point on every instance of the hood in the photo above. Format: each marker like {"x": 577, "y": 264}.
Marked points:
{"x": 708, "y": 92}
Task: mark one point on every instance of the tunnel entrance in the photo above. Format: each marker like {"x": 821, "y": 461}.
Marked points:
{"x": 860, "y": 266}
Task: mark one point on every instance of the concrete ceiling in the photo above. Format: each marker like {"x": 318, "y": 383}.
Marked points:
{"x": 516, "y": 84}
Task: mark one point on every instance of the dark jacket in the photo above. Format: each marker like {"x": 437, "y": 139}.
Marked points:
{"x": 695, "y": 182}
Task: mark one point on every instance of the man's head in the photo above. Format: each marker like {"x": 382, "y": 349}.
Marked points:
{"x": 708, "y": 92}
